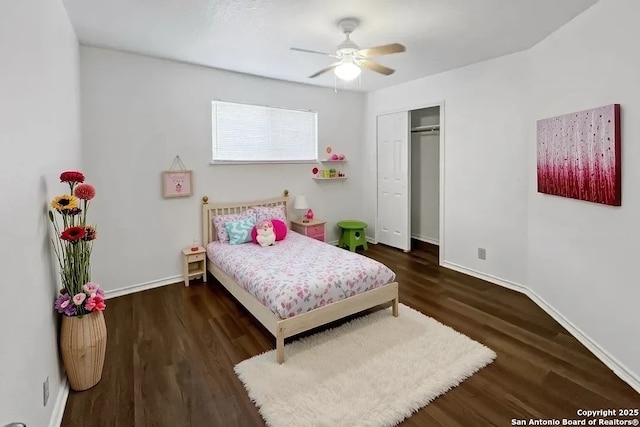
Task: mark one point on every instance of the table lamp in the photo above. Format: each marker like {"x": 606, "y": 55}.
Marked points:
{"x": 300, "y": 203}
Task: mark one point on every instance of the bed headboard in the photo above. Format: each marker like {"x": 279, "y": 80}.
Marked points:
{"x": 209, "y": 210}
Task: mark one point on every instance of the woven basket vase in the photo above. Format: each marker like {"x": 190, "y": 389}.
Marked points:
{"x": 83, "y": 341}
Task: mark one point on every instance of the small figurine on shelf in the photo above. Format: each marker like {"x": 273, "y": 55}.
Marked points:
{"x": 332, "y": 173}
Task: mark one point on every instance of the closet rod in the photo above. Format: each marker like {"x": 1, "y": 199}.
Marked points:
{"x": 426, "y": 131}
{"x": 430, "y": 128}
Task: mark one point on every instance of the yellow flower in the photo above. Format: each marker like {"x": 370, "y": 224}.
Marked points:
{"x": 64, "y": 202}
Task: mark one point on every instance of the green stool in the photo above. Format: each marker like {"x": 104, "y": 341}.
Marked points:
{"x": 352, "y": 234}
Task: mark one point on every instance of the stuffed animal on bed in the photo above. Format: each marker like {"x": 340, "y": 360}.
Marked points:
{"x": 265, "y": 234}
{"x": 279, "y": 229}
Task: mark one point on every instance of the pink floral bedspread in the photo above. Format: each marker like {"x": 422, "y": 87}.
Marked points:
{"x": 298, "y": 273}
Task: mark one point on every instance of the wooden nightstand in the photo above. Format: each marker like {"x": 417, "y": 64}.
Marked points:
{"x": 194, "y": 263}
{"x": 314, "y": 228}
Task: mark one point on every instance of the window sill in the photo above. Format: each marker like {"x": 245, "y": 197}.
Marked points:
{"x": 259, "y": 162}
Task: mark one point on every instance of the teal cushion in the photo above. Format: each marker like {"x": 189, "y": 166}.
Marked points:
{"x": 239, "y": 231}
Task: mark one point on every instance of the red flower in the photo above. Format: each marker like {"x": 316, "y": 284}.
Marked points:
{"x": 71, "y": 212}
{"x": 91, "y": 233}
{"x": 73, "y": 234}
{"x": 71, "y": 176}
{"x": 95, "y": 303}
{"x": 85, "y": 192}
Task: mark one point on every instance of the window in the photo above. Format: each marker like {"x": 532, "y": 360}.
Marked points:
{"x": 245, "y": 133}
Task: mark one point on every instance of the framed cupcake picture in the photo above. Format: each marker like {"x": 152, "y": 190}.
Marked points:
{"x": 177, "y": 183}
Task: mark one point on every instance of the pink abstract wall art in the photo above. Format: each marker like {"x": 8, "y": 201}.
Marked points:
{"x": 579, "y": 155}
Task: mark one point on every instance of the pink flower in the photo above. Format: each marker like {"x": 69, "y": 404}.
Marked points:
{"x": 85, "y": 192}
{"x": 90, "y": 288}
{"x": 79, "y": 298}
{"x": 95, "y": 303}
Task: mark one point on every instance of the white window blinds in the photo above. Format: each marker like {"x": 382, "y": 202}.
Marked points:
{"x": 254, "y": 133}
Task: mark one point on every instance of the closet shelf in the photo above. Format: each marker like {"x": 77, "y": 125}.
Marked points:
{"x": 429, "y": 128}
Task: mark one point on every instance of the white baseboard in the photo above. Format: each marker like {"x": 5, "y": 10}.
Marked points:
{"x": 426, "y": 239}
{"x": 143, "y": 286}
{"x": 487, "y": 277}
{"x": 61, "y": 402}
{"x": 371, "y": 240}
{"x": 614, "y": 364}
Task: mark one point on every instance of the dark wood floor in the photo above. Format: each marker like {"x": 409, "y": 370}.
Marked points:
{"x": 171, "y": 352}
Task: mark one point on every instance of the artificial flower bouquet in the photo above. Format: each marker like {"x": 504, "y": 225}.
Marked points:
{"x": 72, "y": 244}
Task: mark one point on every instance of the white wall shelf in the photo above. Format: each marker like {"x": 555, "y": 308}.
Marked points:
{"x": 328, "y": 179}
{"x": 332, "y": 161}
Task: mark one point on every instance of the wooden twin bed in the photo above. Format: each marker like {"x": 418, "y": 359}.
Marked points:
{"x": 279, "y": 326}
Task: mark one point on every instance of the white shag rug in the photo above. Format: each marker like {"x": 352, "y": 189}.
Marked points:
{"x": 375, "y": 370}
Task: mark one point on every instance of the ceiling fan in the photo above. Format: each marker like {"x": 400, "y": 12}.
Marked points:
{"x": 351, "y": 58}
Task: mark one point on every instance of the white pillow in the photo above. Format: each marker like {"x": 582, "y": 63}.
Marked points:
{"x": 270, "y": 212}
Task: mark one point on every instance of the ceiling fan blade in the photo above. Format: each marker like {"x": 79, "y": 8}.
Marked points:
{"x": 310, "y": 51}
{"x": 382, "y": 50}
{"x": 374, "y": 66}
{"x": 324, "y": 70}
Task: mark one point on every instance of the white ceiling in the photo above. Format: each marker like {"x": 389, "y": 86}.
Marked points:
{"x": 254, "y": 36}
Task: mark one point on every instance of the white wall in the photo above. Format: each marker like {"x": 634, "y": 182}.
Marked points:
{"x": 484, "y": 200}
{"x": 425, "y": 177}
{"x": 583, "y": 256}
{"x": 576, "y": 256}
{"x": 140, "y": 112}
{"x": 39, "y": 132}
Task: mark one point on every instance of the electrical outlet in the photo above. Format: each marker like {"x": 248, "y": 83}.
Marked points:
{"x": 482, "y": 253}
{"x": 45, "y": 391}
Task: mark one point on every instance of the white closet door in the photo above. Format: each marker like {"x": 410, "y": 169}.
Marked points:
{"x": 393, "y": 180}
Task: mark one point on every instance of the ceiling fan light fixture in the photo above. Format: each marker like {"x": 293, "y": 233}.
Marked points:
{"x": 351, "y": 59}
{"x": 347, "y": 71}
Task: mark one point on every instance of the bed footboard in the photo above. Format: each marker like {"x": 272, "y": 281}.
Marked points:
{"x": 335, "y": 311}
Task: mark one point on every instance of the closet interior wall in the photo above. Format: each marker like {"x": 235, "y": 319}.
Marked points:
{"x": 425, "y": 174}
